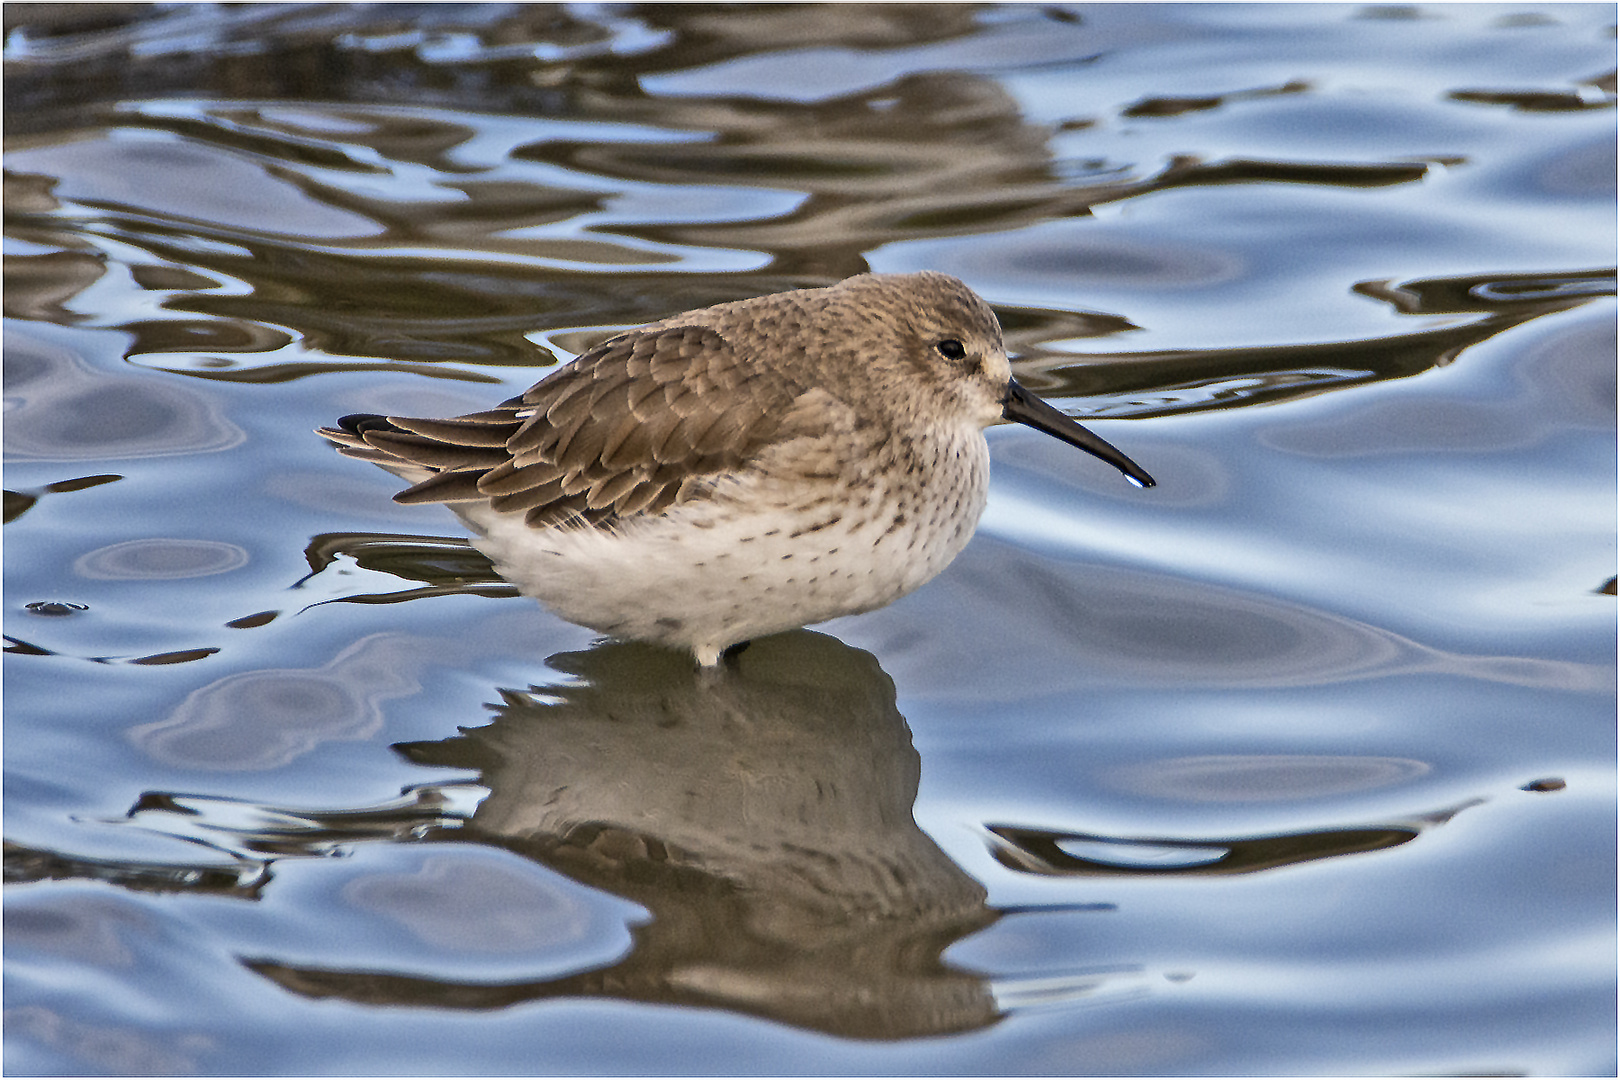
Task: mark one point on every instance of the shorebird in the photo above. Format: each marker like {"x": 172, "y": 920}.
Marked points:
{"x": 738, "y": 470}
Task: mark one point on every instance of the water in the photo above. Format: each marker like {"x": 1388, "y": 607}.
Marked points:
{"x": 1302, "y": 762}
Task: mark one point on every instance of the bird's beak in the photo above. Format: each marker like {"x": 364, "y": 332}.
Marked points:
{"x": 1023, "y": 407}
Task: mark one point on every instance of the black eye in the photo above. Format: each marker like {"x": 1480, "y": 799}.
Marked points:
{"x": 950, "y": 349}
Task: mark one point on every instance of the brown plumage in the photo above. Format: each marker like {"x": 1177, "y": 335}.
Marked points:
{"x": 632, "y": 426}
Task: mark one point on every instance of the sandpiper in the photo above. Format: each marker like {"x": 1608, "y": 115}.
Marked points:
{"x": 739, "y": 470}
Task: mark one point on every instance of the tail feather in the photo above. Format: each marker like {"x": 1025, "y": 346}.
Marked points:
{"x": 444, "y": 459}
{"x": 434, "y": 453}
{"x": 480, "y": 429}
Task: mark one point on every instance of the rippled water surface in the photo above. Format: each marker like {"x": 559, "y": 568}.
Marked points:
{"x": 1302, "y": 762}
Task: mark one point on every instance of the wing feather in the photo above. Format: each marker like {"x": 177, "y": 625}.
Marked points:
{"x": 645, "y": 420}
{"x": 444, "y": 487}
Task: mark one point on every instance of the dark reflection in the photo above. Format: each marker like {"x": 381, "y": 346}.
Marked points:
{"x": 18, "y": 503}
{"x": 1197, "y": 380}
{"x": 249, "y": 836}
{"x": 179, "y": 656}
{"x": 39, "y": 286}
{"x": 24, "y": 864}
{"x": 1069, "y": 854}
{"x": 418, "y": 313}
{"x": 1533, "y": 100}
{"x": 444, "y": 565}
{"x": 203, "y": 335}
{"x": 926, "y": 155}
{"x": 19, "y": 647}
{"x": 256, "y": 835}
{"x": 1492, "y": 294}
{"x": 55, "y": 608}
{"x": 527, "y": 59}
{"x": 762, "y": 817}
{"x": 916, "y": 155}
{"x": 463, "y": 271}
{"x": 1040, "y": 851}
{"x": 1175, "y": 106}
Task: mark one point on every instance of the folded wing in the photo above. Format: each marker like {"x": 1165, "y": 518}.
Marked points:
{"x": 643, "y": 421}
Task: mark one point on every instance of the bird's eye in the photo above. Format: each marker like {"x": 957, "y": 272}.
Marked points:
{"x": 950, "y": 349}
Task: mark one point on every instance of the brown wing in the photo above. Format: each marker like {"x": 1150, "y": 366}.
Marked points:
{"x": 643, "y": 421}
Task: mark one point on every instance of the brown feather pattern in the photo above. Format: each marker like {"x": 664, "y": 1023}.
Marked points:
{"x": 645, "y": 420}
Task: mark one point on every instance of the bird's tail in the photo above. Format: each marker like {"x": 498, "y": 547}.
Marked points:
{"x": 443, "y": 459}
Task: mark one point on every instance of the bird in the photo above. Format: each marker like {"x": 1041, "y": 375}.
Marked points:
{"x": 738, "y": 470}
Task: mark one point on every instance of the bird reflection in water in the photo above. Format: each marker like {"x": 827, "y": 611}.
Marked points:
{"x": 764, "y": 819}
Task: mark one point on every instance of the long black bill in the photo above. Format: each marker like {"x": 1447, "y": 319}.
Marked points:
{"x": 1024, "y": 407}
